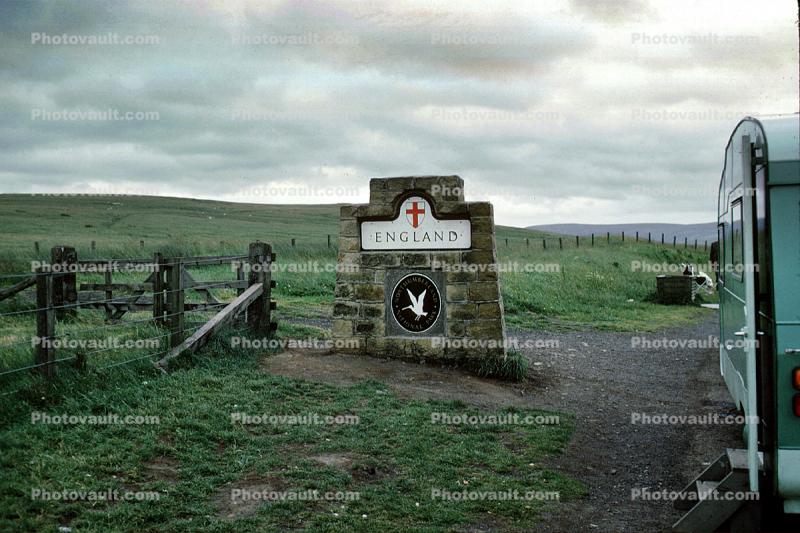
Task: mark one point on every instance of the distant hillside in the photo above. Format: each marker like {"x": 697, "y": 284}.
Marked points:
{"x": 702, "y": 232}
{"x": 198, "y": 227}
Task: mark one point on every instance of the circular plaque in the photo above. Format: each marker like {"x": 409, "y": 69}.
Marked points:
{"x": 416, "y": 303}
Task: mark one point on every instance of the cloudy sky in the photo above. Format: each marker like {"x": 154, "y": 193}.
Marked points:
{"x": 575, "y": 111}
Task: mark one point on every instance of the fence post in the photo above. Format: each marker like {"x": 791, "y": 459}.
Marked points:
{"x": 695, "y": 244}
{"x": 158, "y": 289}
{"x": 705, "y": 245}
{"x": 560, "y": 244}
{"x": 674, "y": 240}
{"x": 592, "y": 239}
{"x": 577, "y": 241}
{"x": 258, "y": 314}
{"x": 45, "y": 322}
{"x": 637, "y": 236}
{"x": 685, "y": 242}
{"x": 292, "y": 243}
{"x": 65, "y": 291}
{"x": 36, "y": 247}
{"x": 544, "y": 244}
{"x": 239, "y": 275}
{"x": 94, "y": 247}
{"x": 506, "y": 242}
{"x": 662, "y": 238}
{"x": 108, "y": 279}
{"x": 527, "y": 242}
{"x": 329, "y": 240}
{"x": 175, "y": 299}
{"x": 623, "y": 236}
{"x": 648, "y": 237}
{"x": 608, "y": 237}
{"x": 141, "y": 245}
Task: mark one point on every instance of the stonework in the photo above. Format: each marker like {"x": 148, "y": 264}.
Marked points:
{"x": 463, "y": 282}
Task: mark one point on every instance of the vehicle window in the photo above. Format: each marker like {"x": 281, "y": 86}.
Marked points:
{"x": 737, "y": 239}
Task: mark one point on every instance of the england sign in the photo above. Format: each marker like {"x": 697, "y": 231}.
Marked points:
{"x": 416, "y": 229}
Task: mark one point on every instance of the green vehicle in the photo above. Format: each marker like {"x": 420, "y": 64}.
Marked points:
{"x": 759, "y": 294}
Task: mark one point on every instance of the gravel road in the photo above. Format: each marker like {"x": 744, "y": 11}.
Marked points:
{"x": 607, "y": 378}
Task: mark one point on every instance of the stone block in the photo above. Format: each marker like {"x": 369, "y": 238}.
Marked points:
{"x": 343, "y": 290}
{"x": 485, "y": 329}
{"x": 415, "y": 259}
{"x": 342, "y": 328}
{"x": 380, "y": 259}
{"x": 368, "y": 292}
{"x": 483, "y": 226}
{"x": 489, "y": 310}
{"x": 348, "y": 227}
{"x": 462, "y": 311}
{"x": 481, "y": 291}
{"x": 481, "y": 209}
{"x": 460, "y": 276}
{"x": 456, "y": 292}
{"x": 456, "y": 328}
{"x": 482, "y": 242}
{"x": 479, "y": 257}
{"x": 368, "y": 328}
{"x": 349, "y": 244}
{"x": 345, "y": 309}
{"x": 372, "y": 310}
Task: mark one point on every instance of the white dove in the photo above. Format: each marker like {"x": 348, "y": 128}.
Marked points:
{"x": 416, "y": 304}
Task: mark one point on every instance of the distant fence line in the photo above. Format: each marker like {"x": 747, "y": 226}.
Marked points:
{"x": 544, "y": 243}
{"x": 567, "y": 241}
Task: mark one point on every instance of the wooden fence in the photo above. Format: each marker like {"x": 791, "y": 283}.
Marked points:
{"x": 163, "y": 292}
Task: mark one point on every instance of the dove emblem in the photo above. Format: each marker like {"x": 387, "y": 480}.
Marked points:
{"x": 417, "y": 304}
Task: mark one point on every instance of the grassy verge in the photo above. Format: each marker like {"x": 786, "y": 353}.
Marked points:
{"x": 195, "y": 457}
{"x": 604, "y": 288}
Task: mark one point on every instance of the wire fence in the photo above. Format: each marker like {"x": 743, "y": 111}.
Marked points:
{"x": 596, "y": 240}
{"x": 328, "y": 243}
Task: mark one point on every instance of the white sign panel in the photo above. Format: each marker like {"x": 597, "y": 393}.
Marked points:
{"x": 416, "y": 229}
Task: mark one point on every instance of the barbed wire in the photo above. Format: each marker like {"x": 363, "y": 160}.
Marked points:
{"x": 148, "y": 356}
{"x": 126, "y": 323}
{"x": 8, "y": 276}
{"x": 168, "y": 334}
{"x": 70, "y": 358}
{"x": 123, "y": 300}
{"x": 76, "y": 305}
{"x": 37, "y": 365}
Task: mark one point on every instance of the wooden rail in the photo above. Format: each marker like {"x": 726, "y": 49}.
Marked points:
{"x": 10, "y": 291}
{"x": 200, "y": 337}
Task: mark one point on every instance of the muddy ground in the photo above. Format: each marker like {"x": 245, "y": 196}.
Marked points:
{"x": 603, "y": 378}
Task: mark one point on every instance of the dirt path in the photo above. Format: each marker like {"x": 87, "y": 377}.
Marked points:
{"x": 603, "y": 379}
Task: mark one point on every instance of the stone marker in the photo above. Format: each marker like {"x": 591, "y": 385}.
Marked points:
{"x": 417, "y": 273}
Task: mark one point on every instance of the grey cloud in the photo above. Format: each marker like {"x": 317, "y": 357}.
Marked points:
{"x": 613, "y": 11}
{"x": 414, "y": 91}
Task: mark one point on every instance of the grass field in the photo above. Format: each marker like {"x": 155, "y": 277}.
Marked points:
{"x": 195, "y": 456}
{"x": 590, "y": 289}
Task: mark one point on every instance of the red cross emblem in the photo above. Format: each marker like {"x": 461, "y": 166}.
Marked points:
{"x": 415, "y": 212}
